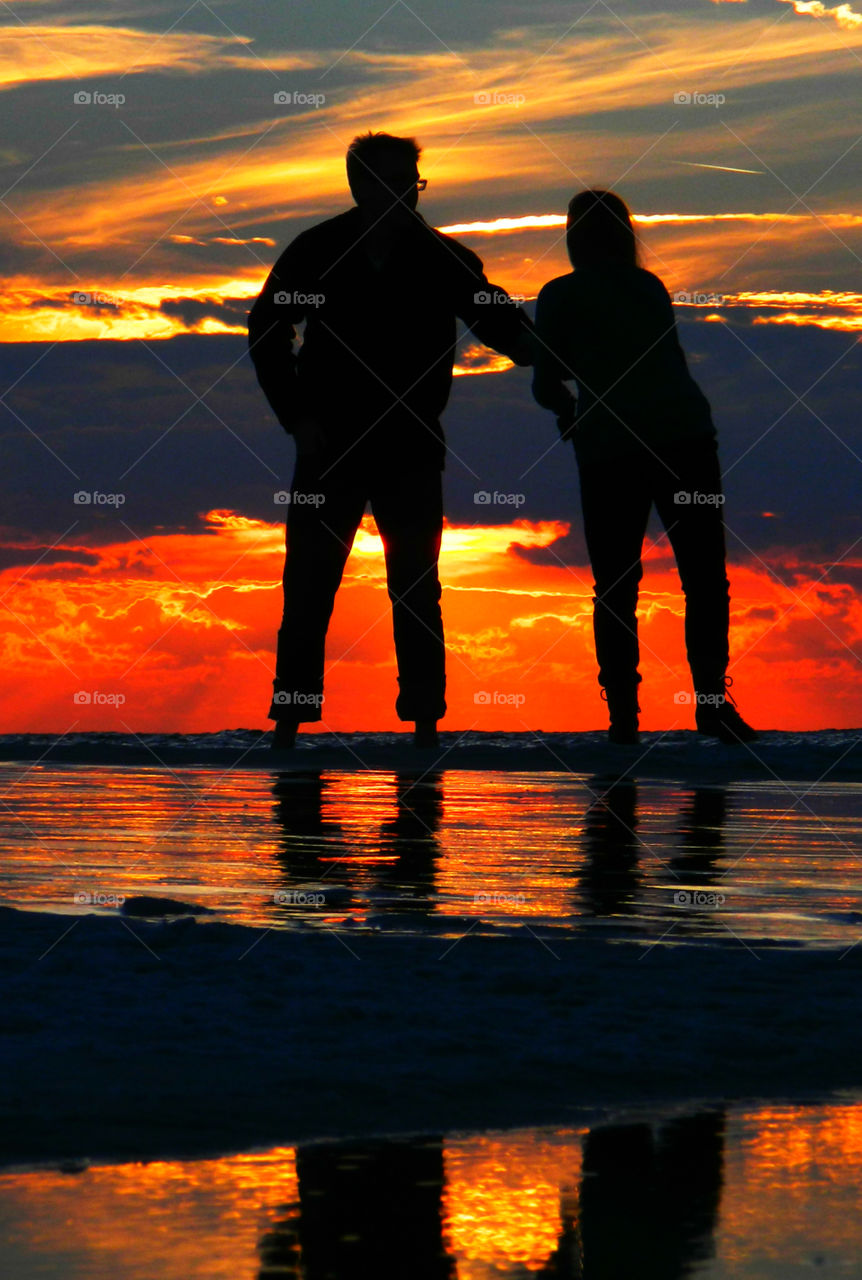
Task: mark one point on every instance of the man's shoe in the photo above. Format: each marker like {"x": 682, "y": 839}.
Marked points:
{"x": 623, "y": 709}
{"x": 624, "y": 733}
{"x": 284, "y": 734}
{"x": 425, "y": 734}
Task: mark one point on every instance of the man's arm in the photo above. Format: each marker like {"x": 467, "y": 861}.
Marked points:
{"x": 272, "y": 332}
{"x": 489, "y": 312}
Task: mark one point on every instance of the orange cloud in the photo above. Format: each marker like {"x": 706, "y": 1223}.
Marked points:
{"x": 29, "y": 313}
{"x": 841, "y": 13}
{"x": 177, "y": 632}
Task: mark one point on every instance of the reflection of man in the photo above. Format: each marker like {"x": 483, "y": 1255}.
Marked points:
{"x": 368, "y": 1209}
{"x": 379, "y": 290}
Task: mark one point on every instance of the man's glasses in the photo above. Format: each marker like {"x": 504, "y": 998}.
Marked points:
{"x": 401, "y": 184}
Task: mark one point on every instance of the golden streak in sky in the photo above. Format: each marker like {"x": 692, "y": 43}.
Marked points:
{"x": 725, "y": 168}
{"x": 531, "y": 221}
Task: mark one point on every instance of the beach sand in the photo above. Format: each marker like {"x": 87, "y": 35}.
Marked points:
{"x": 271, "y": 957}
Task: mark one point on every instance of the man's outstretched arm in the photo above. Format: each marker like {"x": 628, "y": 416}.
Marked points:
{"x": 490, "y": 313}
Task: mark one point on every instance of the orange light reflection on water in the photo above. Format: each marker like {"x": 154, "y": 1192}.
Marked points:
{"x": 787, "y": 1180}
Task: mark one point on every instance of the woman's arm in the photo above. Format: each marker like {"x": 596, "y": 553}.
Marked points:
{"x": 550, "y": 371}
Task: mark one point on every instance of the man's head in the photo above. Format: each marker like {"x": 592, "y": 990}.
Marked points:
{"x": 382, "y": 172}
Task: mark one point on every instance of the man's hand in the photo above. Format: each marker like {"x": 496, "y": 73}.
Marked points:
{"x": 523, "y": 353}
{"x": 567, "y": 420}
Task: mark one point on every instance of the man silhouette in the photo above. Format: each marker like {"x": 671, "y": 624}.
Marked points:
{"x": 379, "y": 291}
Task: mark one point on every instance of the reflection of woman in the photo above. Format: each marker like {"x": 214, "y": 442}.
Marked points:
{"x": 643, "y": 435}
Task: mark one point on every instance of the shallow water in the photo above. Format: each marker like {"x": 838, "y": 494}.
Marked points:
{"x": 444, "y": 852}
{"x": 742, "y": 1192}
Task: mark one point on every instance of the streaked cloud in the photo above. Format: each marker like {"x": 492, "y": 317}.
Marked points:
{"x": 33, "y": 52}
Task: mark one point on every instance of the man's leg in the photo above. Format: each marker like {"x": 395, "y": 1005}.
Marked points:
{"x": 408, "y": 508}
{"x": 322, "y": 520}
{"x": 615, "y": 501}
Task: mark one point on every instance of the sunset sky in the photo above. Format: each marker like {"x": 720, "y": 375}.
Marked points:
{"x": 152, "y": 169}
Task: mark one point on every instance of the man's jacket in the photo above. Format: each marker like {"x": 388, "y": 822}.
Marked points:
{"x": 375, "y": 365}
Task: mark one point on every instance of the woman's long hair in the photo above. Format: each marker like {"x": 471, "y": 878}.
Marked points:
{"x": 599, "y": 230}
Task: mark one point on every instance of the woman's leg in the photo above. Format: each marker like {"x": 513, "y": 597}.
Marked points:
{"x": 691, "y": 509}
{"x": 616, "y": 503}
{"x": 689, "y": 500}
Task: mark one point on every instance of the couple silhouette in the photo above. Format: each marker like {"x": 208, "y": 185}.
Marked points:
{"x": 380, "y": 291}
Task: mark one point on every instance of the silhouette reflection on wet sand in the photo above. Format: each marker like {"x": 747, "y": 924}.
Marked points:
{"x": 646, "y": 1206}
{"x": 399, "y": 857}
{"x": 361, "y": 857}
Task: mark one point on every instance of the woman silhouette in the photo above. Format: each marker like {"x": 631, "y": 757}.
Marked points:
{"x": 643, "y": 434}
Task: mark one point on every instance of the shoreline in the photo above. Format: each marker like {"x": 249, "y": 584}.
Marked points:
{"x": 681, "y": 755}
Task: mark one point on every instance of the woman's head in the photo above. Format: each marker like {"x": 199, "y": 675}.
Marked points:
{"x": 599, "y": 230}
